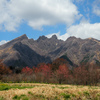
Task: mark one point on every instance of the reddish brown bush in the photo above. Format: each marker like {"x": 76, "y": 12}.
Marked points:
{"x": 80, "y": 75}
{"x": 43, "y": 72}
{"x": 27, "y": 70}
{"x": 56, "y": 63}
{"x": 61, "y": 74}
{"x": 4, "y": 69}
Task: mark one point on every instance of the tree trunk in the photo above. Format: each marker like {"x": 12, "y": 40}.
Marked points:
{"x": 60, "y": 81}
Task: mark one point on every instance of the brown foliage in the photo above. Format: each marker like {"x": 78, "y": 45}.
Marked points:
{"x": 61, "y": 74}
{"x": 43, "y": 72}
{"x": 57, "y": 72}
{"x": 56, "y": 63}
{"x": 3, "y": 69}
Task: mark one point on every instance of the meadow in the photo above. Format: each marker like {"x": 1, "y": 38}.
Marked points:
{"x": 37, "y": 91}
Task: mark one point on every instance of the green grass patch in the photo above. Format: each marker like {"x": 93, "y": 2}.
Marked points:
{"x": 7, "y": 87}
{"x": 21, "y": 97}
{"x": 39, "y": 97}
{"x": 16, "y": 97}
{"x": 63, "y": 87}
{"x": 30, "y": 93}
{"x": 53, "y": 87}
{"x": 1, "y": 98}
{"x": 73, "y": 95}
{"x": 98, "y": 96}
{"x": 86, "y": 93}
{"x": 66, "y": 96}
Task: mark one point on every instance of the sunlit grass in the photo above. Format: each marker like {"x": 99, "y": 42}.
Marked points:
{"x": 49, "y": 92}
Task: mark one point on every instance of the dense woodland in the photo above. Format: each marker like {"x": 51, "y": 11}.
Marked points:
{"x": 56, "y": 72}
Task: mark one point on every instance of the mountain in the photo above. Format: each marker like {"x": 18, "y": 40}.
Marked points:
{"x": 29, "y": 52}
{"x": 19, "y": 52}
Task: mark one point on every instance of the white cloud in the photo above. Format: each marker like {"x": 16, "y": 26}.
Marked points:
{"x": 82, "y": 30}
{"x": 7, "y": 20}
{"x": 50, "y": 35}
{"x": 36, "y": 13}
{"x": 3, "y": 42}
{"x": 62, "y": 37}
{"x": 96, "y": 7}
{"x": 85, "y": 30}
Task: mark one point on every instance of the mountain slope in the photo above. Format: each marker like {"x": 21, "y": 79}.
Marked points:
{"x": 83, "y": 51}
{"x": 19, "y": 52}
{"x": 28, "y": 52}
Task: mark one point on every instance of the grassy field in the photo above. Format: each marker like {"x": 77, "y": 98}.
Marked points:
{"x": 36, "y": 91}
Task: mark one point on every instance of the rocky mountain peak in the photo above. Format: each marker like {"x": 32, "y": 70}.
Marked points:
{"x": 16, "y": 40}
{"x": 24, "y": 36}
{"x": 41, "y": 38}
{"x": 72, "y": 38}
{"x": 54, "y": 37}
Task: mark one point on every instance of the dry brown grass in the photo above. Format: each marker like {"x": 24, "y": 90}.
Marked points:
{"x": 53, "y": 92}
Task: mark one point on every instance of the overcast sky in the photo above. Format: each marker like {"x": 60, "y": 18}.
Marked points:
{"x": 65, "y": 18}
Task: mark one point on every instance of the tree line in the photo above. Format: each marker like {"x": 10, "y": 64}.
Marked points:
{"x": 59, "y": 71}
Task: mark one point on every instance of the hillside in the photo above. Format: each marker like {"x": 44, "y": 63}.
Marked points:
{"x": 28, "y": 52}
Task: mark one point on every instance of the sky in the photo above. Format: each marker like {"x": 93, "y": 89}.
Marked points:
{"x": 64, "y": 18}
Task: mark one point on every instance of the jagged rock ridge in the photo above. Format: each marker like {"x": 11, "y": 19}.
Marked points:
{"x": 28, "y": 52}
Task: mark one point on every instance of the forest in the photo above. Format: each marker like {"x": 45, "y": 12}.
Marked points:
{"x": 56, "y": 72}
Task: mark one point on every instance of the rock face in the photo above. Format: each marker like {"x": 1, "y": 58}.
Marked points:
{"x": 28, "y": 52}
